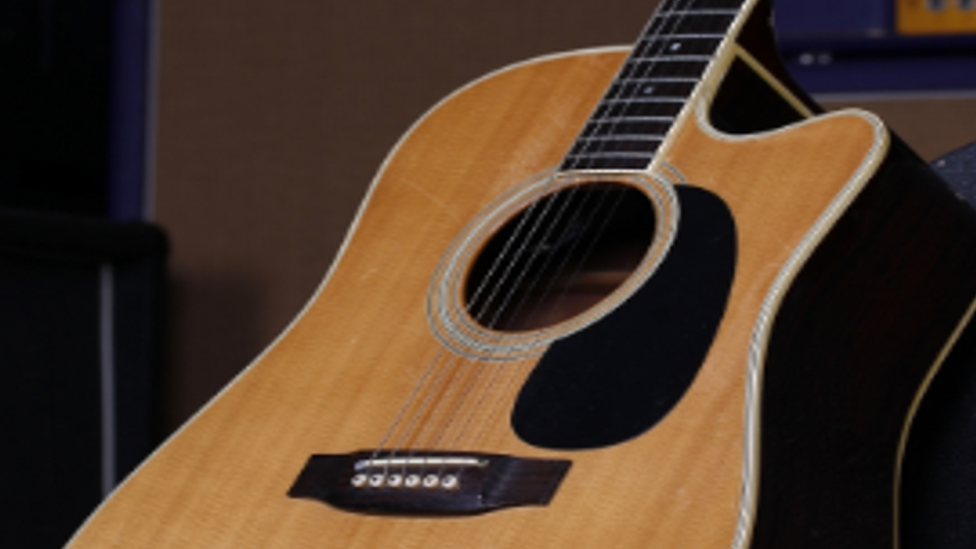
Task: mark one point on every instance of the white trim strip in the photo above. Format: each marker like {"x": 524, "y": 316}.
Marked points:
{"x": 106, "y": 334}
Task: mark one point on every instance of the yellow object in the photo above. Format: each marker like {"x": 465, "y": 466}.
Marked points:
{"x": 919, "y": 17}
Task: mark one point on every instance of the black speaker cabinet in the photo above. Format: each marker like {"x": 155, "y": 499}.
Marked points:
{"x": 79, "y": 325}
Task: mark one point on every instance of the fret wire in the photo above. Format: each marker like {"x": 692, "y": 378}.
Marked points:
{"x": 686, "y": 36}
{"x": 646, "y": 63}
{"x": 625, "y": 137}
{"x": 629, "y": 109}
{"x": 666, "y": 119}
{"x": 694, "y": 40}
{"x": 646, "y": 85}
{"x": 639, "y": 134}
{"x": 643, "y": 66}
{"x": 651, "y": 74}
{"x": 656, "y": 41}
{"x": 646, "y": 118}
{"x": 607, "y": 127}
{"x": 632, "y": 90}
{"x": 643, "y": 109}
{"x": 595, "y": 146}
{"x": 678, "y": 48}
{"x": 698, "y": 25}
{"x": 631, "y": 104}
{"x": 708, "y": 4}
{"x": 687, "y": 13}
{"x": 619, "y": 162}
{"x": 662, "y": 80}
{"x": 689, "y": 37}
{"x": 611, "y": 154}
{"x": 644, "y": 100}
{"x": 678, "y": 58}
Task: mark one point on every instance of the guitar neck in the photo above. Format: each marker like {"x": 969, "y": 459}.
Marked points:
{"x": 663, "y": 72}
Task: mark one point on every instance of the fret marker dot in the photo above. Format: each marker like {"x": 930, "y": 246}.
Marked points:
{"x": 648, "y": 90}
{"x": 676, "y": 46}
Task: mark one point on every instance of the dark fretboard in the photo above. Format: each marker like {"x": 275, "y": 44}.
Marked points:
{"x": 661, "y": 74}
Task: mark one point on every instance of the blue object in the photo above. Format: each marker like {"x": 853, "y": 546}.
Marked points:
{"x": 840, "y": 19}
{"x": 852, "y": 46}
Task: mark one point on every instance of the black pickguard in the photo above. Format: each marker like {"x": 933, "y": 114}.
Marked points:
{"x": 619, "y": 377}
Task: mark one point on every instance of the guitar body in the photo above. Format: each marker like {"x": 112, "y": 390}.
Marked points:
{"x": 851, "y": 271}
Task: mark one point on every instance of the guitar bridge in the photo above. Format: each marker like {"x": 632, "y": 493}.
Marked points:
{"x": 428, "y": 483}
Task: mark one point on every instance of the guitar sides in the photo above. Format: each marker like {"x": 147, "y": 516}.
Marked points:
{"x": 336, "y": 379}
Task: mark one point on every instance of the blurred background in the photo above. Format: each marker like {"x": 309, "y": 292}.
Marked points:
{"x": 176, "y": 177}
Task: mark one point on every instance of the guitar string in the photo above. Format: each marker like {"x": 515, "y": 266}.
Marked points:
{"x": 580, "y": 208}
{"x": 538, "y": 303}
{"x": 647, "y": 38}
{"x": 445, "y": 395}
{"x": 521, "y": 248}
{"x": 423, "y": 408}
{"x": 512, "y": 379}
{"x": 617, "y": 203}
{"x": 422, "y": 405}
{"x": 527, "y": 246}
{"x": 489, "y": 277}
{"x": 493, "y": 385}
{"x": 577, "y": 270}
{"x": 411, "y": 399}
{"x": 676, "y": 24}
{"x": 651, "y": 38}
{"x": 499, "y": 283}
{"x": 652, "y": 42}
{"x": 522, "y": 244}
{"x": 496, "y": 318}
{"x": 445, "y": 407}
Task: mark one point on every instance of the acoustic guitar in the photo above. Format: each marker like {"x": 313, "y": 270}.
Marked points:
{"x": 629, "y": 299}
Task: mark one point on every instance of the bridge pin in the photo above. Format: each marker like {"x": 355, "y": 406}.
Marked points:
{"x": 450, "y": 482}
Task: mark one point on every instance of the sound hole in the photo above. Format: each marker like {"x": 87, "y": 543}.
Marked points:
{"x": 559, "y": 256}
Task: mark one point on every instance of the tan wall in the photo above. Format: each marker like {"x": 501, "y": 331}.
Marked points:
{"x": 274, "y": 114}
